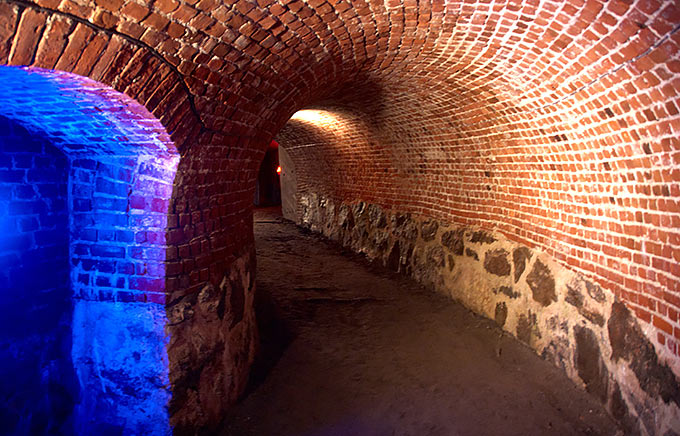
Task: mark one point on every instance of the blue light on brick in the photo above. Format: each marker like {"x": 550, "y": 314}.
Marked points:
{"x": 72, "y": 261}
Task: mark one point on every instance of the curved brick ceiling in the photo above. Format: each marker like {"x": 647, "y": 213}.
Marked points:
{"x": 556, "y": 124}
{"x": 256, "y": 63}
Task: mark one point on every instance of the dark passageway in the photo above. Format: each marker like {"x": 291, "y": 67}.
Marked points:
{"x": 368, "y": 352}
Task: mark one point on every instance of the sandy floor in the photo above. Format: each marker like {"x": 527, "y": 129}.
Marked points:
{"x": 352, "y": 349}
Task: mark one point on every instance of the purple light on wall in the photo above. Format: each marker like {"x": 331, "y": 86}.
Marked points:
{"x": 119, "y": 166}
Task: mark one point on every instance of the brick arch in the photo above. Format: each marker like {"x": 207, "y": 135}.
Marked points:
{"x": 65, "y": 40}
{"x": 119, "y": 173}
{"x": 211, "y": 252}
{"x": 553, "y": 139}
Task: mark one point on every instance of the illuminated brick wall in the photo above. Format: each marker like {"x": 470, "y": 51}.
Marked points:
{"x": 594, "y": 188}
{"x": 110, "y": 323}
{"x": 591, "y": 177}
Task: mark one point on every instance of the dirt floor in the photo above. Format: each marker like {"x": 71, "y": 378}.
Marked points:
{"x": 350, "y": 348}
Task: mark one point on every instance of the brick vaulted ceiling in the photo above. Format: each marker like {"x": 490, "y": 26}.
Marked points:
{"x": 244, "y": 67}
{"x": 555, "y": 122}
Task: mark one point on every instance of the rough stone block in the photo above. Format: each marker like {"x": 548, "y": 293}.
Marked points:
{"x": 542, "y": 284}
{"x": 496, "y": 262}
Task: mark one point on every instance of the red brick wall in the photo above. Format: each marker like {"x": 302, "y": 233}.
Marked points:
{"x": 558, "y": 79}
{"x": 595, "y": 184}
{"x": 557, "y": 127}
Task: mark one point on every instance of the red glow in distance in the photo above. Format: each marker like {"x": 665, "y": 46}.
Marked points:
{"x": 278, "y": 169}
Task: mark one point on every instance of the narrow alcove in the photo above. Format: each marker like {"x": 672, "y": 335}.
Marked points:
{"x": 86, "y": 183}
{"x": 268, "y": 187}
{"x": 39, "y": 386}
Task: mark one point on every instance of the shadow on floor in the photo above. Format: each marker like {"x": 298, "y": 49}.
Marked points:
{"x": 351, "y": 348}
{"x": 275, "y": 336}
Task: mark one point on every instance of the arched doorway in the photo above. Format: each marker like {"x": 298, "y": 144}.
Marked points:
{"x": 87, "y": 194}
{"x": 268, "y": 187}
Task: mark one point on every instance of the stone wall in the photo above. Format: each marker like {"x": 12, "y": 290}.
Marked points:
{"x": 565, "y": 317}
{"x": 119, "y": 354}
{"x": 213, "y": 339}
{"x": 170, "y": 368}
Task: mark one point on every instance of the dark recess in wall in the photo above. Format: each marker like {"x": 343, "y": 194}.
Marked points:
{"x": 268, "y": 189}
{"x": 39, "y": 386}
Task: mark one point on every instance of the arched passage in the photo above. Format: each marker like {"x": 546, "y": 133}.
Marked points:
{"x": 552, "y": 123}
{"x": 536, "y": 221}
{"x": 104, "y": 222}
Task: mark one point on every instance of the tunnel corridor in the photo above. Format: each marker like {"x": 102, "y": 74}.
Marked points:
{"x": 520, "y": 158}
{"x": 352, "y": 348}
